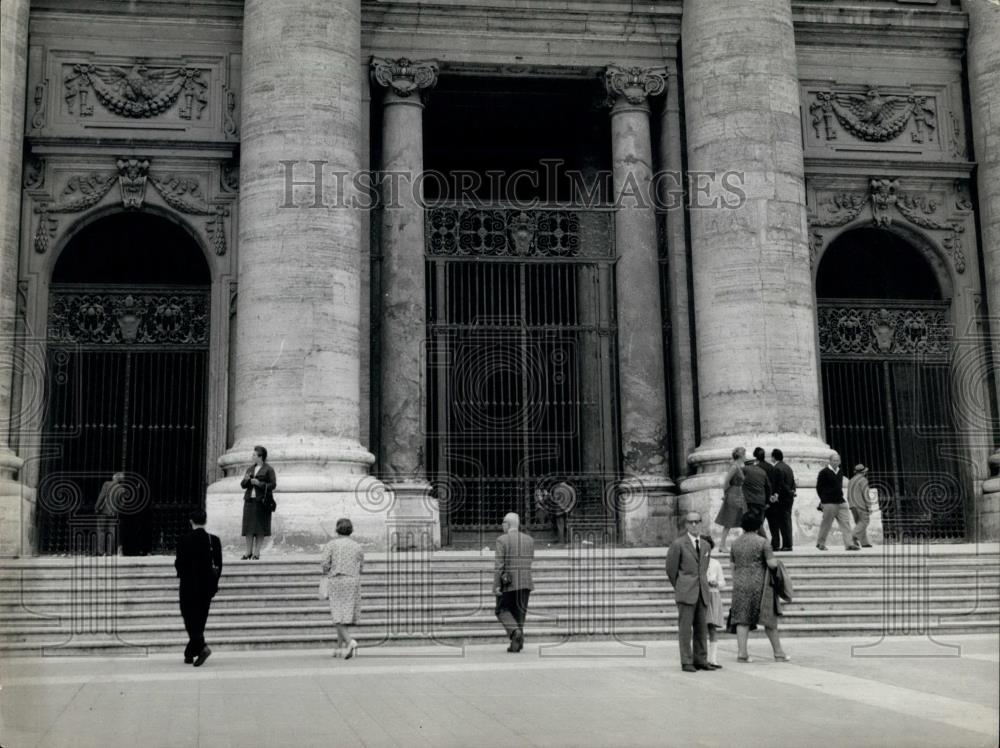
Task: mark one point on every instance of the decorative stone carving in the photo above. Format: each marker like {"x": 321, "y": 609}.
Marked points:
{"x": 229, "y": 124}
{"x": 864, "y": 331}
{"x": 229, "y": 176}
{"x": 38, "y": 116}
{"x": 404, "y": 76}
{"x": 121, "y": 316}
{"x": 503, "y": 233}
{"x": 872, "y": 116}
{"x": 34, "y": 173}
{"x": 883, "y": 195}
{"x": 138, "y": 91}
{"x": 633, "y": 85}
{"x": 184, "y": 194}
{"x": 132, "y": 181}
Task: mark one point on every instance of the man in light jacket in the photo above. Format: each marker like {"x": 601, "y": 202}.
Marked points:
{"x": 857, "y": 500}
{"x": 512, "y": 579}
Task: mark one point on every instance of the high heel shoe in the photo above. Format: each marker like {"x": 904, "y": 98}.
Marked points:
{"x": 748, "y": 658}
{"x": 782, "y": 658}
{"x": 255, "y": 557}
{"x": 350, "y": 649}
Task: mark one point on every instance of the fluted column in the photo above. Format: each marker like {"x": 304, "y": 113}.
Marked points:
{"x": 984, "y": 88}
{"x": 640, "y": 320}
{"x": 403, "y": 365}
{"x": 296, "y": 359}
{"x": 14, "y": 511}
{"x": 755, "y": 310}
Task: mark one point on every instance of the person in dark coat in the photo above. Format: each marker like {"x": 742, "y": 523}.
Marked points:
{"x": 772, "y": 481}
{"x": 687, "y": 570}
{"x": 779, "y": 516}
{"x": 830, "y": 488}
{"x": 259, "y": 483}
{"x": 756, "y": 490}
{"x": 198, "y": 565}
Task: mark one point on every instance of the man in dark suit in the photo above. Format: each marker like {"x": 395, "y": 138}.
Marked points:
{"x": 198, "y": 564}
{"x": 757, "y": 490}
{"x": 773, "y": 477}
{"x": 512, "y": 579}
{"x": 830, "y": 488}
{"x": 687, "y": 569}
{"x": 779, "y": 516}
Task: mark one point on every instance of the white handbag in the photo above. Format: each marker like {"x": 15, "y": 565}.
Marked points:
{"x": 324, "y": 587}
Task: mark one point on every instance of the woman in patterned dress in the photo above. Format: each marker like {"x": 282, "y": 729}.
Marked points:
{"x": 343, "y": 560}
{"x": 733, "y": 504}
{"x": 751, "y": 556}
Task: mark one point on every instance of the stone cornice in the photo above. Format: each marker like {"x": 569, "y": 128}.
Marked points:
{"x": 885, "y": 26}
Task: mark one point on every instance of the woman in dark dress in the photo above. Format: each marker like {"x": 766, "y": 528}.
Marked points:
{"x": 259, "y": 482}
{"x": 733, "y": 504}
{"x": 751, "y": 557}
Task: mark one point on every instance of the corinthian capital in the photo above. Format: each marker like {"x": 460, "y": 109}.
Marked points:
{"x": 404, "y": 76}
{"x": 633, "y": 85}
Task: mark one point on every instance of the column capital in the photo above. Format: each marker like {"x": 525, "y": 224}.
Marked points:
{"x": 403, "y": 77}
{"x": 631, "y": 87}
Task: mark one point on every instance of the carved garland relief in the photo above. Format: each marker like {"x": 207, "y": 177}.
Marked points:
{"x": 137, "y": 91}
{"x": 872, "y": 116}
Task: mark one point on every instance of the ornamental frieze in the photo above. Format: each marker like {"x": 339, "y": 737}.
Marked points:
{"x": 497, "y": 232}
{"x": 136, "y": 91}
{"x": 867, "y": 331}
{"x": 872, "y": 115}
{"x": 120, "y": 316}
{"x": 885, "y": 199}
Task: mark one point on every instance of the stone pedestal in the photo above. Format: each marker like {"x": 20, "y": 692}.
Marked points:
{"x": 755, "y": 317}
{"x": 984, "y": 89}
{"x": 640, "y": 323}
{"x": 16, "y": 501}
{"x": 295, "y": 385}
{"x": 414, "y": 517}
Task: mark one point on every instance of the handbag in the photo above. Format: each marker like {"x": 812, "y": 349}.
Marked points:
{"x": 324, "y": 587}
{"x": 506, "y": 580}
{"x": 270, "y": 503}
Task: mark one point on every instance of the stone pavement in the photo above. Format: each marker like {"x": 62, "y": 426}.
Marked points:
{"x": 835, "y": 692}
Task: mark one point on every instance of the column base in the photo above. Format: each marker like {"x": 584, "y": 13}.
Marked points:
{"x": 414, "y": 520}
{"x": 988, "y": 506}
{"x": 806, "y": 455}
{"x": 647, "y": 506}
{"x": 17, "y": 510}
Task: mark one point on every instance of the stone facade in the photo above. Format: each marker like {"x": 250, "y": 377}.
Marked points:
{"x": 251, "y": 124}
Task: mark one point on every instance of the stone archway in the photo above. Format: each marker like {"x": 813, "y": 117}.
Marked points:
{"x": 127, "y": 345}
{"x": 885, "y": 344}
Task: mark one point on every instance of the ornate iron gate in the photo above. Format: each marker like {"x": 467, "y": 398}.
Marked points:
{"x": 127, "y": 386}
{"x": 887, "y": 400}
{"x": 522, "y": 351}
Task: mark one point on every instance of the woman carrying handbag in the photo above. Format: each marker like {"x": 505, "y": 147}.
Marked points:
{"x": 259, "y": 483}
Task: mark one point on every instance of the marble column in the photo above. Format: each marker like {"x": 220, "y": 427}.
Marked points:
{"x": 640, "y": 318}
{"x": 984, "y": 88}
{"x": 296, "y": 366}
{"x": 414, "y": 518}
{"x": 15, "y": 501}
{"x": 755, "y": 307}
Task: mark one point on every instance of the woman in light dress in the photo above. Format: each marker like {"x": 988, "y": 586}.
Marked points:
{"x": 343, "y": 559}
{"x": 733, "y": 504}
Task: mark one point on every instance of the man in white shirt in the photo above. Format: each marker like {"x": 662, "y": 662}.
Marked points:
{"x": 687, "y": 569}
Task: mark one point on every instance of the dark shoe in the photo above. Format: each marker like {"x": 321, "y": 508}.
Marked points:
{"x": 689, "y": 668}
{"x": 853, "y": 548}
{"x": 517, "y": 640}
{"x": 706, "y": 666}
{"x": 867, "y": 545}
{"x": 714, "y": 666}
{"x": 821, "y": 547}
{"x": 200, "y": 660}
{"x": 245, "y": 557}
{"x": 255, "y": 557}
{"x": 188, "y": 660}
{"x": 789, "y": 549}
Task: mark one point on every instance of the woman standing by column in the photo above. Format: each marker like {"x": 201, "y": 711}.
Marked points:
{"x": 343, "y": 560}
{"x": 259, "y": 483}
{"x": 733, "y": 504}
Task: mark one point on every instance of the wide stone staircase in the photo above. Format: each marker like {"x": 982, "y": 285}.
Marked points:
{"x": 105, "y": 605}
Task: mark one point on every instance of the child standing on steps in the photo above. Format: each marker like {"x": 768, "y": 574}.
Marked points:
{"x": 714, "y": 618}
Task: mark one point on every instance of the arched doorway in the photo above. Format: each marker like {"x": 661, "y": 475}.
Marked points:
{"x": 127, "y": 344}
{"x": 885, "y": 338}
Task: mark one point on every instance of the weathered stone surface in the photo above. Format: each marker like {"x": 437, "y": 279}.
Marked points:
{"x": 984, "y": 86}
{"x": 754, "y": 305}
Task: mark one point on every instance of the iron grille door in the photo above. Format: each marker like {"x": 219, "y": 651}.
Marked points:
{"x": 521, "y": 362}
{"x": 127, "y": 388}
{"x": 887, "y": 402}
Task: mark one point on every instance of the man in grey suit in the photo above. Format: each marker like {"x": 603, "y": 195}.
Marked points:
{"x": 512, "y": 579}
{"x": 687, "y": 569}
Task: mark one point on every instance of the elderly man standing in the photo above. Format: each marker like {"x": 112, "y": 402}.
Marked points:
{"x": 512, "y": 579}
{"x": 830, "y": 487}
{"x": 857, "y": 500}
{"x": 687, "y": 569}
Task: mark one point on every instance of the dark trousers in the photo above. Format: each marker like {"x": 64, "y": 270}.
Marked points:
{"x": 779, "y": 522}
{"x": 692, "y": 624}
{"x": 512, "y": 607}
{"x": 194, "y": 610}
{"x": 759, "y": 511}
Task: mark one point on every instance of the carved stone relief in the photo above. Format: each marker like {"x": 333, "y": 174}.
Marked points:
{"x": 944, "y": 212}
{"x": 872, "y": 116}
{"x": 865, "y": 330}
{"x": 138, "y": 90}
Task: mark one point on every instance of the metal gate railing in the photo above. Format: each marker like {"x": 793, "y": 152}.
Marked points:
{"x": 127, "y": 392}
{"x": 887, "y": 400}
{"x": 522, "y": 351}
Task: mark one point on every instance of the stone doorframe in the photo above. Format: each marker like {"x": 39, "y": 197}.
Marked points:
{"x": 935, "y": 216}
{"x": 62, "y": 194}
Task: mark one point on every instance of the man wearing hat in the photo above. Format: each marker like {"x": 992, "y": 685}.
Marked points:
{"x": 857, "y": 500}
